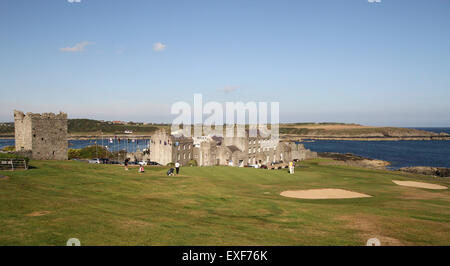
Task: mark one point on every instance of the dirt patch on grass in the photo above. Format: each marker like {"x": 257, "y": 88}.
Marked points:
{"x": 3, "y": 177}
{"x": 327, "y": 193}
{"x": 370, "y": 227}
{"x": 38, "y": 213}
{"x": 418, "y": 184}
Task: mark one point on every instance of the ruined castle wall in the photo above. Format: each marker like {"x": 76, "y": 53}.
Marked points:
{"x": 165, "y": 148}
{"x": 224, "y": 155}
{"x": 299, "y": 152}
{"x": 160, "y": 148}
{"x": 22, "y": 128}
{"x": 49, "y": 136}
{"x": 45, "y": 135}
{"x": 208, "y": 154}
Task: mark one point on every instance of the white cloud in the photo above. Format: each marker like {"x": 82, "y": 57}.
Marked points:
{"x": 159, "y": 47}
{"x": 77, "y": 48}
{"x": 229, "y": 89}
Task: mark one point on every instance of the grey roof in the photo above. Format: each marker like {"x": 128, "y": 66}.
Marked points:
{"x": 233, "y": 148}
{"x": 217, "y": 138}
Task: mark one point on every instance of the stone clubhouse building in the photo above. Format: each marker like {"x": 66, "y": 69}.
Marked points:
{"x": 44, "y": 137}
{"x": 217, "y": 150}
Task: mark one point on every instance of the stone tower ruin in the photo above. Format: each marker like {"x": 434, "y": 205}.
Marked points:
{"x": 44, "y": 135}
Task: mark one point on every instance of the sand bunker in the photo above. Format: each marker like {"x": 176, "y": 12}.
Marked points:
{"x": 327, "y": 193}
{"x": 418, "y": 184}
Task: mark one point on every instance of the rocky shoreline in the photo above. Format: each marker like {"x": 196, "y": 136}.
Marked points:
{"x": 426, "y": 170}
{"x": 359, "y": 161}
{"x": 354, "y": 160}
{"x": 365, "y": 138}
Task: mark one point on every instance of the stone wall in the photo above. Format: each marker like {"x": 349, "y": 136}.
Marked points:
{"x": 160, "y": 148}
{"x": 182, "y": 149}
{"x": 44, "y": 134}
{"x": 208, "y": 154}
{"x": 300, "y": 153}
{"x": 22, "y": 128}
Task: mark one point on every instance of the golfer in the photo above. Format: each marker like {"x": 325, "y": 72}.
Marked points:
{"x": 291, "y": 167}
{"x": 177, "y": 167}
{"x": 126, "y": 163}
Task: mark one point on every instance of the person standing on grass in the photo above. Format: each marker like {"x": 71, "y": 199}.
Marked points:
{"x": 291, "y": 167}
{"x": 177, "y": 167}
{"x": 126, "y": 164}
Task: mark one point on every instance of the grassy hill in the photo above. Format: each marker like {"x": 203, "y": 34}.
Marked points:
{"x": 7, "y": 128}
{"x": 90, "y": 127}
{"x": 93, "y": 126}
{"x": 340, "y": 130}
{"x": 105, "y": 205}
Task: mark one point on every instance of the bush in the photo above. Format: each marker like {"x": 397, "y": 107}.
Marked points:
{"x": 74, "y": 154}
{"x": 94, "y": 152}
{"x": 9, "y": 148}
{"x": 171, "y": 164}
{"x": 89, "y": 153}
{"x": 89, "y": 125}
{"x": 192, "y": 163}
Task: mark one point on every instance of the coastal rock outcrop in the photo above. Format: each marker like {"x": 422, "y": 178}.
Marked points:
{"x": 425, "y": 170}
{"x": 355, "y": 160}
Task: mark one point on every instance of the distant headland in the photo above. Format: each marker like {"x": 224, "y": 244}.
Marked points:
{"x": 90, "y": 129}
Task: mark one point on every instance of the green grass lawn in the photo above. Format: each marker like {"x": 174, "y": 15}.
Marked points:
{"x": 106, "y": 205}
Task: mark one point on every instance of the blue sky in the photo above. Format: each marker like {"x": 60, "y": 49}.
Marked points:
{"x": 382, "y": 63}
